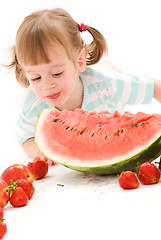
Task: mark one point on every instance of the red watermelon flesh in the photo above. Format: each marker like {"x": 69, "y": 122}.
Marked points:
{"x": 88, "y": 140}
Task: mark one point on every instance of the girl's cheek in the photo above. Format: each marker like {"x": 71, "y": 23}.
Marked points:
{"x": 67, "y": 85}
{"x": 36, "y": 90}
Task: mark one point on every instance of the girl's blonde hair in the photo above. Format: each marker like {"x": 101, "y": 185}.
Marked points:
{"x": 40, "y": 29}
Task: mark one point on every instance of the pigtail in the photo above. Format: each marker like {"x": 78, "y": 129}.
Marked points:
{"x": 19, "y": 73}
{"x": 97, "y": 48}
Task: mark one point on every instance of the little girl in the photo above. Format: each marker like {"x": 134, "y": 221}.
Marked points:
{"x": 51, "y": 59}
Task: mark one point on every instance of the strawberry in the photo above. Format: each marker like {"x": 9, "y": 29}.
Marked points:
{"x": 128, "y": 180}
{"x": 38, "y": 168}
{"x": 3, "y": 228}
{"x": 26, "y": 186}
{"x": 4, "y": 193}
{"x": 19, "y": 198}
{"x": 148, "y": 173}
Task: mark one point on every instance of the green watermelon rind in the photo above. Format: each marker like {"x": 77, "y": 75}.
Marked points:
{"x": 151, "y": 152}
{"x": 147, "y": 155}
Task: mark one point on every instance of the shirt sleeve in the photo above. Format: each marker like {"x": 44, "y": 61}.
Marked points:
{"x": 131, "y": 89}
{"x": 29, "y": 111}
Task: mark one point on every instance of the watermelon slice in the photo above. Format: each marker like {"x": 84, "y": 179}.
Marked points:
{"x": 100, "y": 143}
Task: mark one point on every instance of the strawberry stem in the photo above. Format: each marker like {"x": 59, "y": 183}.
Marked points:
{"x": 2, "y": 219}
{"x": 13, "y": 185}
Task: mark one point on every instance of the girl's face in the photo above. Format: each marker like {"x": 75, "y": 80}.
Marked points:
{"x": 58, "y": 82}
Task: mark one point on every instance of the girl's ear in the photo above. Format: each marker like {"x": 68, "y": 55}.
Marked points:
{"x": 82, "y": 56}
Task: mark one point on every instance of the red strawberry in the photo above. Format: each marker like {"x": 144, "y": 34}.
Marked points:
{"x": 148, "y": 173}
{"x": 3, "y": 228}
{"x": 1, "y": 213}
{"x": 128, "y": 180}
{"x": 38, "y": 168}
{"x": 4, "y": 193}
{"x": 19, "y": 198}
{"x": 26, "y": 186}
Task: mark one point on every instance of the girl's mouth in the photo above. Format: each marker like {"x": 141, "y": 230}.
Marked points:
{"x": 53, "y": 96}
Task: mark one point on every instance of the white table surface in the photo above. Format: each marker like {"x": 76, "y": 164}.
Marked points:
{"x": 86, "y": 207}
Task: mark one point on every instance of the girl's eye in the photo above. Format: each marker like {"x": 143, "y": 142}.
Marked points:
{"x": 35, "y": 79}
{"x": 57, "y": 74}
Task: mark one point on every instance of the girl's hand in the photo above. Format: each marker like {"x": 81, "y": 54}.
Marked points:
{"x": 32, "y": 151}
{"x": 49, "y": 161}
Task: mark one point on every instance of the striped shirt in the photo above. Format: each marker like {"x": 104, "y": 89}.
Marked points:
{"x": 103, "y": 90}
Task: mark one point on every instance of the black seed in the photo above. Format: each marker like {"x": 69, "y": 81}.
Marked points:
{"x": 122, "y": 130}
{"x": 133, "y": 125}
{"x": 106, "y": 137}
{"x": 143, "y": 124}
{"x": 63, "y": 122}
{"x": 66, "y": 128}
{"x": 81, "y": 133}
{"x": 71, "y": 128}
{"x": 55, "y": 120}
{"x": 136, "y": 124}
{"x": 118, "y": 131}
{"x": 92, "y": 134}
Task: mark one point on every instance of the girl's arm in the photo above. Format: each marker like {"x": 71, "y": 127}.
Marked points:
{"x": 157, "y": 90}
{"x": 157, "y": 82}
{"x": 31, "y": 149}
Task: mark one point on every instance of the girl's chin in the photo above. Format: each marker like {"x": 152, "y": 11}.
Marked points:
{"x": 56, "y": 104}
{"x": 59, "y": 103}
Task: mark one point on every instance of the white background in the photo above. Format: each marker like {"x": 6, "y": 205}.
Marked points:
{"x": 87, "y": 207}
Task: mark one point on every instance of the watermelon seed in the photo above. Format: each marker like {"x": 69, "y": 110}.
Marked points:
{"x": 66, "y": 128}
{"x": 63, "y": 122}
{"x": 81, "y": 133}
{"x": 134, "y": 125}
{"x": 71, "y": 128}
{"x": 92, "y": 134}
{"x": 120, "y": 131}
{"x": 106, "y": 137}
{"x": 77, "y": 130}
{"x": 143, "y": 124}
{"x": 55, "y": 120}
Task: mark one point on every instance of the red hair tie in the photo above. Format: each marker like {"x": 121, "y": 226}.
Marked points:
{"x": 83, "y": 27}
